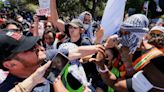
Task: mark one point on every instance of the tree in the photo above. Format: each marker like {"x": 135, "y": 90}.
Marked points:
{"x": 93, "y": 6}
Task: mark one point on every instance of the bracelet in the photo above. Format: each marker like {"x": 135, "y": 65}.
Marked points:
{"x": 102, "y": 71}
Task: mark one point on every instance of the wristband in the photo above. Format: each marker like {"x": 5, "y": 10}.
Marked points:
{"x": 102, "y": 71}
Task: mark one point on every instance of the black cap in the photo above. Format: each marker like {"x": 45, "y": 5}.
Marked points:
{"x": 76, "y": 23}
{"x": 12, "y": 42}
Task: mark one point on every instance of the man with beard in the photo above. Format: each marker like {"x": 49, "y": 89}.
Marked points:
{"x": 19, "y": 56}
{"x": 156, "y": 37}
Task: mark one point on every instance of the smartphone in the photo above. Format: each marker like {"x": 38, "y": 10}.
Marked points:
{"x": 57, "y": 67}
{"x": 42, "y": 17}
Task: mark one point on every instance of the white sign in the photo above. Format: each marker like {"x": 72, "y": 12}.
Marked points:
{"x": 113, "y": 17}
{"x": 44, "y": 7}
{"x": 43, "y": 11}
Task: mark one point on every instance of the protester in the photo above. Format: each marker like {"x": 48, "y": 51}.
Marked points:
{"x": 86, "y": 19}
{"x": 49, "y": 38}
{"x": 29, "y": 83}
{"x": 25, "y": 24}
{"x": 89, "y": 25}
{"x": 34, "y": 27}
{"x": 129, "y": 60}
{"x": 48, "y": 25}
{"x": 14, "y": 57}
{"x": 13, "y": 25}
{"x": 74, "y": 30}
{"x": 149, "y": 72}
{"x": 156, "y": 37}
{"x": 62, "y": 26}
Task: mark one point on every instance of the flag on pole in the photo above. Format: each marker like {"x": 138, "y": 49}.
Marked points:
{"x": 113, "y": 17}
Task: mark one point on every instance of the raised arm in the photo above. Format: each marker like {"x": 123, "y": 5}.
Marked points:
{"x": 55, "y": 18}
{"x": 85, "y": 51}
{"x": 99, "y": 34}
{"x": 35, "y": 25}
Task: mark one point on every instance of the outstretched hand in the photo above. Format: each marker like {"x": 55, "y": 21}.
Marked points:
{"x": 99, "y": 58}
{"x": 38, "y": 75}
{"x": 111, "y": 41}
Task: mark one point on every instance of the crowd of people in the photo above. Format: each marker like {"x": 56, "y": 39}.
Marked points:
{"x": 131, "y": 60}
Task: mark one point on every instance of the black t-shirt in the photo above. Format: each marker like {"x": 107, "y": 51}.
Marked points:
{"x": 9, "y": 83}
{"x": 12, "y": 80}
{"x": 81, "y": 42}
{"x": 158, "y": 62}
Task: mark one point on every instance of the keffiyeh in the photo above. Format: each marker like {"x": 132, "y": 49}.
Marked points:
{"x": 137, "y": 26}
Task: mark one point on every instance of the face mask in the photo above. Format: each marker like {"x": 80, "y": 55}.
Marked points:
{"x": 141, "y": 84}
{"x": 132, "y": 41}
{"x": 86, "y": 26}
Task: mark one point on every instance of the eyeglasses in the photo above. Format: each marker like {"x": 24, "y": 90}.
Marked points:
{"x": 156, "y": 35}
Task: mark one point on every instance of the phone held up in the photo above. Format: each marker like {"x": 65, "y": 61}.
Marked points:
{"x": 42, "y": 17}
{"x": 57, "y": 67}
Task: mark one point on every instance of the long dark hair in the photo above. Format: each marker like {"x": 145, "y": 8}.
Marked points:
{"x": 115, "y": 52}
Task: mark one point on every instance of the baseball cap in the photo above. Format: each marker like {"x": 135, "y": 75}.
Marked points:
{"x": 159, "y": 28}
{"x": 76, "y": 23}
{"x": 12, "y": 42}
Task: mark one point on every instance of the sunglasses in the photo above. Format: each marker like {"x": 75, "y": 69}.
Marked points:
{"x": 156, "y": 35}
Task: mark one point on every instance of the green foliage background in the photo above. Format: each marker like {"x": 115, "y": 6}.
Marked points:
{"x": 74, "y": 7}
